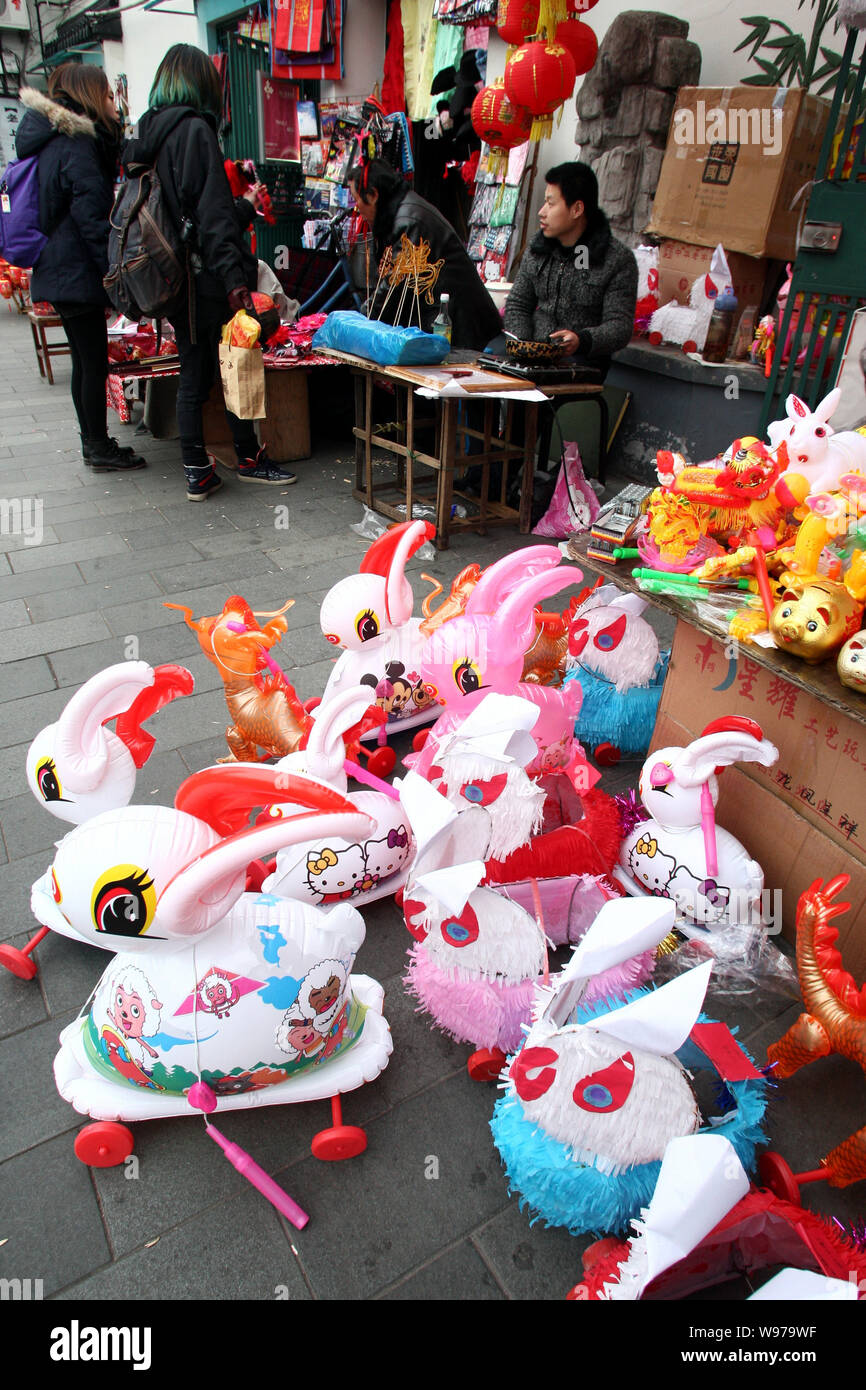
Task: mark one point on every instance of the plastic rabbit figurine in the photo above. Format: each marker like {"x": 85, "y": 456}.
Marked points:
{"x": 248, "y": 996}
{"x": 334, "y": 869}
{"x": 597, "y": 1092}
{"x": 484, "y": 650}
{"x": 78, "y": 767}
{"x": 680, "y": 852}
{"x": 370, "y": 615}
{"x": 814, "y": 450}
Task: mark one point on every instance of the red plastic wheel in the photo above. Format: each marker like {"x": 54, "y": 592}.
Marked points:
{"x": 342, "y": 1141}
{"x": 313, "y": 703}
{"x": 104, "y": 1144}
{"x": 655, "y": 338}
{"x": 607, "y": 755}
{"x": 24, "y": 967}
{"x": 776, "y": 1174}
{"x": 257, "y": 872}
{"x": 690, "y": 346}
{"x": 486, "y": 1064}
{"x": 382, "y": 762}
{"x": 419, "y": 739}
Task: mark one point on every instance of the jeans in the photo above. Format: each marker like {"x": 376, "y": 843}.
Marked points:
{"x": 87, "y": 336}
{"x": 198, "y": 365}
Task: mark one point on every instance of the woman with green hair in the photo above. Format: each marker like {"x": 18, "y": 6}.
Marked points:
{"x": 179, "y": 135}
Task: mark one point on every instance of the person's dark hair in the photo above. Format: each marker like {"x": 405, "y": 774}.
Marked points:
{"x": 375, "y": 174}
{"x": 82, "y": 86}
{"x": 187, "y": 77}
{"x": 577, "y": 183}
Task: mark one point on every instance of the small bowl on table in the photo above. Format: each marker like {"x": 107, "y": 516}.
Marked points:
{"x": 529, "y": 352}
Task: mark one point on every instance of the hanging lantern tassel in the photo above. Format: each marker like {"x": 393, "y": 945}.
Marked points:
{"x": 540, "y": 77}
{"x": 550, "y": 12}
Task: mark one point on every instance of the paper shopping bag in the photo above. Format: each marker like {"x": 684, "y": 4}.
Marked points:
{"x": 243, "y": 377}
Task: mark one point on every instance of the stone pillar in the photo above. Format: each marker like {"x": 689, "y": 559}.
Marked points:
{"x": 624, "y": 109}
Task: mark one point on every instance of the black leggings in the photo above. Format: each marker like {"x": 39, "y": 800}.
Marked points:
{"x": 87, "y": 335}
{"x": 198, "y": 364}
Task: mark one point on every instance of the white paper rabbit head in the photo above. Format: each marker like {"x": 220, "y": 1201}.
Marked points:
{"x": 77, "y": 767}
{"x": 672, "y": 779}
{"x": 609, "y": 637}
{"x": 130, "y": 879}
{"x": 366, "y": 607}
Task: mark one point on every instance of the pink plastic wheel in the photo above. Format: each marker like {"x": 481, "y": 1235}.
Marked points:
{"x": 382, "y": 762}
{"x": 24, "y": 967}
{"x": 341, "y": 1141}
{"x": 486, "y": 1064}
{"x": 607, "y": 754}
{"x": 104, "y": 1144}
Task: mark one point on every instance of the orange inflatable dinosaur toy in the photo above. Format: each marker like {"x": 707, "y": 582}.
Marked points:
{"x": 835, "y": 1015}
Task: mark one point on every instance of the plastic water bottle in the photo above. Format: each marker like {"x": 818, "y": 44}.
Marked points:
{"x": 442, "y": 322}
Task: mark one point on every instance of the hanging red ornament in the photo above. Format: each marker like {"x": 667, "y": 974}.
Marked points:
{"x": 517, "y": 19}
{"x": 581, "y": 43}
{"x": 540, "y": 77}
{"x": 499, "y": 123}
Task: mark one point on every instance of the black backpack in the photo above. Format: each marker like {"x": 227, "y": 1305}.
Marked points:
{"x": 148, "y": 265}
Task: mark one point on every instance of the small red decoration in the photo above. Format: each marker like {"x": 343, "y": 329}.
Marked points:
{"x": 517, "y": 19}
{"x": 581, "y": 43}
{"x": 500, "y": 123}
{"x": 540, "y": 77}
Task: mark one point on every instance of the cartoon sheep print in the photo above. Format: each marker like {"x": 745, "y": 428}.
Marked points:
{"x": 132, "y": 1015}
{"x": 304, "y": 1028}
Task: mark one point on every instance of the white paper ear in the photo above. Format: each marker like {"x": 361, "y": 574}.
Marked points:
{"x": 696, "y": 763}
{"x": 498, "y": 728}
{"x": 804, "y": 1286}
{"x": 701, "y": 1179}
{"x": 452, "y": 886}
{"x": 81, "y": 746}
{"x": 623, "y": 928}
{"x": 659, "y": 1021}
{"x": 399, "y": 599}
{"x": 326, "y": 751}
{"x": 428, "y": 811}
{"x": 632, "y": 604}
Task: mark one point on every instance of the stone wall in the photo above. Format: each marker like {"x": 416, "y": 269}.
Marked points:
{"x": 625, "y": 106}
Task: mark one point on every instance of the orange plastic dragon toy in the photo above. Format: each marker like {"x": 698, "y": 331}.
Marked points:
{"x": 835, "y": 1016}
{"x": 266, "y": 712}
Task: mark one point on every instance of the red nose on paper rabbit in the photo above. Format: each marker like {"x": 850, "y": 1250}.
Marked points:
{"x": 680, "y": 852}
{"x": 815, "y": 451}
{"x": 78, "y": 767}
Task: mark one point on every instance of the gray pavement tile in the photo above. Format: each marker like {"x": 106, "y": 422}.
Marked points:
{"x": 101, "y": 596}
{"x": 52, "y": 579}
{"x": 530, "y": 1262}
{"x": 27, "y": 827}
{"x": 123, "y": 500}
{"x": 135, "y": 562}
{"x": 22, "y": 718}
{"x": 57, "y": 1242}
{"x": 12, "y": 779}
{"x": 68, "y": 970}
{"x": 21, "y": 1001}
{"x": 31, "y": 526}
{"x": 457, "y": 1275}
{"x": 16, "y": 880}
{"x": 300, "y": 576}
{"x": 54, "y": 635}
{"x": 205, "y": 752}
{"x": 172, "y": 643}
{"x": 196, "y": 573}
{"x": 196, "y": 1260}
{"x": 310, "y": 681}
{"x": 70, "y": 552}
{"x": 14, "y": 613}
{"x": 32, "y": 1109}
{"x": 5, "y": 567}
{"x": 383, "y": 1208}
{"x": 74, "y": 528}
{"x": 383, "y": 954}
{"x": 214, "y": 546}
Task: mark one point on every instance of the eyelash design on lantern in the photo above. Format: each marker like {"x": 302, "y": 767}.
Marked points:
{"x": 48, "y": 781}
{"x": 367, "y": 616}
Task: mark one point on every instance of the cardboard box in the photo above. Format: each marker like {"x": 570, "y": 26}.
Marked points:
{"x": 680, "y": 264}
{"x": 736, "y": 158}
{"x": 805, "y": 817}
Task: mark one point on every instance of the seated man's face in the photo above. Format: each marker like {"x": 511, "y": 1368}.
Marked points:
{"x": 556, "y": 217}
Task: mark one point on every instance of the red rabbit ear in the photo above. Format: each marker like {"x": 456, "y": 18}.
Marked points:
{"x": 223, "y": 797}
{"x": 388, "y": 557}
{"x": 168, "y": 683}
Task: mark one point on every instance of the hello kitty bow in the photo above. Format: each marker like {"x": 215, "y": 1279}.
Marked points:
{"x": 647, "y": 846}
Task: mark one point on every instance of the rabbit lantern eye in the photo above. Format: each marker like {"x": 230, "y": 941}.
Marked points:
{"x": 367, "y": 625}
{"x": 461, "y": 931}
{"x": 604, "y": 1091}
{"x": 532, "y": 1071}
{"x": 467, "y": 676}
{"x": 820, "y": 432}
{"x": 610, "y": 637}
{"x": 485, "y": 793}
{"x": 48, "y": 781}
{"x": 124, "y": 901}
{"x": 660, "y": 776}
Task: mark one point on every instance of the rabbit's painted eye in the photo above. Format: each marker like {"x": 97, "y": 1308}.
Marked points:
{"x": 462, "y": 930}
{"x": 124, "y": 901}
{"x": 537, "y": 1060}
{"x": 608, "y": 1089}
{"x": 485, "y": 793}
{"x": 820, "y": 432}
{"x": 367, "y": 625}
{"x": 48, "y": 782}
{"x": 467, "y": 676}
{"x": 610, "y": 637}
{"x": 578, "y": 636}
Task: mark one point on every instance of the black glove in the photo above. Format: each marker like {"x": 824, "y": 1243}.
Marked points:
{"x": 242, "y": 299}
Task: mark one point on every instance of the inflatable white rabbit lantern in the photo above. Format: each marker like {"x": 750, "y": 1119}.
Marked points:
{"x": 370, "y": 615}
{"x": 814, "y": 450}
{"x": 248, "y": 997}
{"x": 334, "y": 869}
{"x": 680, "y": 852}
{"x": 77, "y": 767}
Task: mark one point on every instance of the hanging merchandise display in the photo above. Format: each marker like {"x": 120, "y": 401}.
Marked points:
{"x": 308, "y": 39}
{"x": 540, "y": 76}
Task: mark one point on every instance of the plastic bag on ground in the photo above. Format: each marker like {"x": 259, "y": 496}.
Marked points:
{"x": 372, "y": 526}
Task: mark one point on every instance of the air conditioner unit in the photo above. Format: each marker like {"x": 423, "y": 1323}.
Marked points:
{"x": 13, "y": 15}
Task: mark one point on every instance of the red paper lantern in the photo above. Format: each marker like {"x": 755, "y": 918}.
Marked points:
{"x": 498, "y": 122}
{"x": 516, "y": 19}
{"x": 581, "y": 43}
{"x": 540, "y": 77}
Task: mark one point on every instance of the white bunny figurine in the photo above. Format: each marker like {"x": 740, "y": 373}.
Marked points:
{"x": 815, "y": 451}
{"x": 77, "y": 767}
{"x": 680, "y": 852}
{"x": 335, "y": 869}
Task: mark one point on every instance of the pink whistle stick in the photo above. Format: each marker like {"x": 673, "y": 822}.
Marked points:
{"x": 708, "y": 821}
{"x": 369, "y": 779}
{"x": 249, "y": 1169}
{"x": 265, "y": 655}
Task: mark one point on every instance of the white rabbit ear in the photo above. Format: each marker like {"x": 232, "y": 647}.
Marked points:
{"x": 696, "y": 764}
{"x": 796, "y": 409}
{"x": 660, "y": 1021}
{"x": 82, "y": 749}
{"x": 632, "y": 604}
{"x": 326, "y": 751}
{"x": 452, "y": 886}
{"x": 824, "y": 409}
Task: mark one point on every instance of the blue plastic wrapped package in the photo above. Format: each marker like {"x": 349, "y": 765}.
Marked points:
{"x": 349, "y": 331}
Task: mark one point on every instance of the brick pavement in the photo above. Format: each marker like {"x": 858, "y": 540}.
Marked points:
{"x": 114, "y": 549}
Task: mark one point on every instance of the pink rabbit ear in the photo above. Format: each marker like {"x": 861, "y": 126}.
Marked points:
{"x": 796, "y": 408}
{"x": 500, "y": 578}
{"x": 513, "y": 623}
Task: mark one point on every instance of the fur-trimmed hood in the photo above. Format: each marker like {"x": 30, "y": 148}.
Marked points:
{"x": 45, "y": 119}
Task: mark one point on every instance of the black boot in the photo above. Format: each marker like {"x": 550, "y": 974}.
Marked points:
{"x": 106, "y": 456}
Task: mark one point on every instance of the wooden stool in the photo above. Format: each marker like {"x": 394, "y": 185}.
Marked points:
{"x": 45, "y": 350}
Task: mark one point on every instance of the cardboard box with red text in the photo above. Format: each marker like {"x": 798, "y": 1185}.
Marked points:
{"x": 680, "y": 264}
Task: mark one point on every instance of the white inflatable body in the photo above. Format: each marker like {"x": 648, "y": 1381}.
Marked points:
{"x": 391, "y": 666}
{"x": 338, "y": 870}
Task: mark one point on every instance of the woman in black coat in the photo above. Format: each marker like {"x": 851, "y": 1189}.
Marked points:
{"x": 75, "y": 134}
{"x": 389, "y": 206}
{"x": 179, "y": 135}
